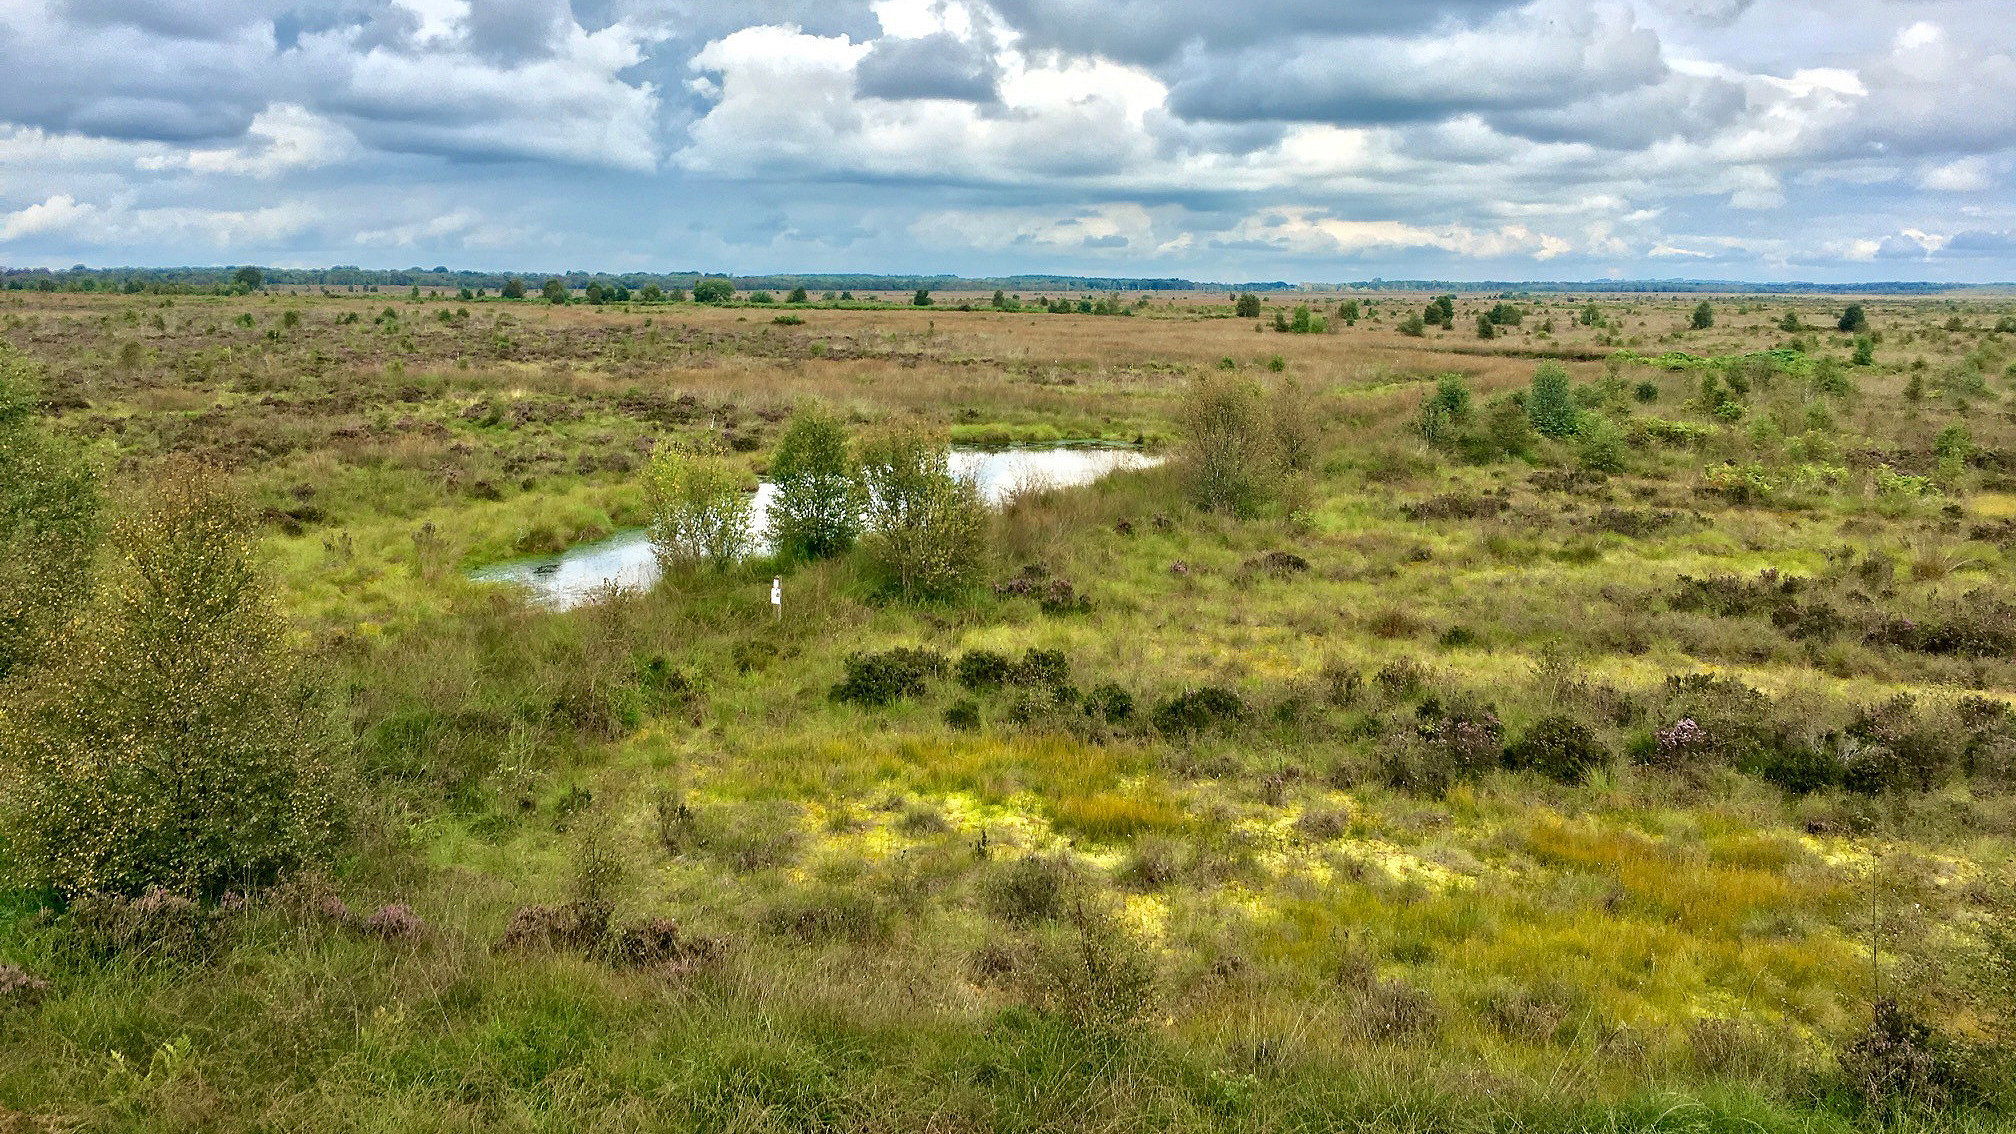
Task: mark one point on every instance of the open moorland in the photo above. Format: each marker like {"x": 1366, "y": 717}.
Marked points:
{"x": 1523, "y": 713}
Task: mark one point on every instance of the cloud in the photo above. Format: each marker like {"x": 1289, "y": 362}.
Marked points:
{"x": 940, "y": 65}
{"x": 1155, "y": 31}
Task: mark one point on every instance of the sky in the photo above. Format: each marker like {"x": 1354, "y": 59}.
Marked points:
{"x": 1301, "y": 140}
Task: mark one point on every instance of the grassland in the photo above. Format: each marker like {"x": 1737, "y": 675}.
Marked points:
{"x": 1316, "y": 908}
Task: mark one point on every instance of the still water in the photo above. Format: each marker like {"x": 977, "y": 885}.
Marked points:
{"x": 625, "y": 560}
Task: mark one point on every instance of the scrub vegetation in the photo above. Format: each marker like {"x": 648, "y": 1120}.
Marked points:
{"x": 1602, "y": 723}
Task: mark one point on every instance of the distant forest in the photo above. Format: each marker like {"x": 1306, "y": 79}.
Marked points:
{"x": 230, "y": 277}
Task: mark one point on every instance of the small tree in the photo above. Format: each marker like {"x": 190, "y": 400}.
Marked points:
{"x": 713, "y": 291}
{"x": 48, "y": 521}
{"x": 595, "y": 293}
{"x": 1704, "y": 316}
{"x": 652, "y": 293}
{"x": 816, "y": 512}
{"x": 1348, "y": 311}
{"x": 922, "y": 298}
{"x": 169, "y": 742}
{"x": 1228, "y": 454}
{"x": 927, "y": 528}
{"x": 1486, "y": 329}
{"x": 1591, "y": 315}
{"x": 554, "y": 291}
{"x": 797, "y": 296}
{"x": 1854, "y": 320}
{"x": 1549, "y": 404}
{"x": 1247, "y": 306}
{"x": 699, "y": 512}
{"x": 248, "y": 278}
{"x": 514, "y": 288}
{"x": 1790, "y": 324}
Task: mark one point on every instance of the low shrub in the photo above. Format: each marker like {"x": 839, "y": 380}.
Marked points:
{"x": 657, "y": 943}
{"x": 157, "y": 925}
{"x": 963, "y": 715}
{"x": 396, "y": 922}
{"x": 573, "y": 927}
{"x": 1561, "y": 748}
{"x": 982, "y": 670}
{"x": 1199, "y": 710}
{"x": 885, "y": 678}
{"x": 1029, "y": 890}
{"x": 19, "y": 989}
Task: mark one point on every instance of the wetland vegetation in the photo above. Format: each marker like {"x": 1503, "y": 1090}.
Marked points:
{"x": 1497, "y": 713}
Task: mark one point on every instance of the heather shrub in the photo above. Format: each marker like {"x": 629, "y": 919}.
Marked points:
{"x": 396, "y": 922}
{"x": 983, "y": 670}
{"x": 19, "y": 989}
{"x": 888, "y": 677}
{"x": 1028, "y": 890}
{"x": 1561, "y": 748}
{"x": 1200, "y": 710}
{"x": 156, "y": 925}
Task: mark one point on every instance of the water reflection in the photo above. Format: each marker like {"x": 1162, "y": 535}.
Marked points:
{"x": 625, "y": 561}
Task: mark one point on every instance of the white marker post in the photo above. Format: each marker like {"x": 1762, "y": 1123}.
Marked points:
{"x": 777, "y": 597}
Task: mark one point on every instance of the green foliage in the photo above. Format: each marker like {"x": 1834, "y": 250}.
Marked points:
{"x": 1486, "y": 329}
{"x": 652, "y": 293}
{"x": 1853, "y": 321}
{"x": 1348, "y": 311}
{"x": 922, "y": 298}
{"x": 1441, "y": 311}
{"x": 699, "y": 511}
{"x": 1413, "y": 327}
{"x": 1229, "y": 457}
{"x": 797, "y": 296}
{"x": 1591, "y": 316}
{"x": 554, "y": 292}
{"x": 1558, "y": 747}
{"x": 1505, "y": 315}
{"x": 1446, "y": 412}
{"x": 713, "y": 291}
{"x": 48, "y": 521}
{"x": 1703, "y": 317}
{"x": 168, "y": 741}
{"x": 927, "y": 528}
{"x": 816, "y": 512}
{"x": 1865, "y": 351}
{"x": 1601, "y": 445}
{"x": 882, "y": 679}
{"x": 248, "y": 278}
{"x": 1247, "y": 306}
{"x": 1549, "y": 404}
{"x": 1790, "y": 324}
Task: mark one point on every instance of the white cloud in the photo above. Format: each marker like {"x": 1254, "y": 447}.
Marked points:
{"x": 1964, "y": 175}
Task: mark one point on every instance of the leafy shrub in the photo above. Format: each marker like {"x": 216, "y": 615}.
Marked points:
{"x": 1109, "y": 703}
{"x": 1561, "y": 748}
{"x": 816, "y": 511}
{"x": 1199, "y": 710}
{"x": 699, "y": 511}
{"x": 1041, "y": 668}
{"x": 1228, "y": 456}
{"x": 963, "y": 716}
{"x": 928, "y": 528}
{"x": 887, "y": 677}
{"x": 982, "y": 670}
{"x": 1549, "y": 405}
{"x": 168, "y": 743}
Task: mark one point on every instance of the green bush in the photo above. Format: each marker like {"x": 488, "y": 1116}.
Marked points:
{"x": 927, "y": 528}
{"x": 1228, "y": 457}
{"x": 1549, "y": 405}
{"x": 169, "y": 741}
{"x": 1199, "y": 710}
{"x": 49, "y": 507}
{"x": 699, "y": 511}
{"x": 1561, "y": 748}
{"x": 888, "y": 677}
{"x": 816, "y": 512}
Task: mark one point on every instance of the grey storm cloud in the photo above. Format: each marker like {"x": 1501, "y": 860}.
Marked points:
{"x": 934, "y": 66}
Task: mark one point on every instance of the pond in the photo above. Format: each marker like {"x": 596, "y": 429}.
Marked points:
{"x": 625, "y": 560}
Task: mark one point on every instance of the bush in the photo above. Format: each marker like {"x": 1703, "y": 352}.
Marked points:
{"x": 713, "y": 291}
{"x": 1549, "y": 405}
{"x": 1031, "y": 889}
{"x": 169, "y": 741}
{"x": 1109, "y": 703}
{"x": 48, "y": 522}
{"x": 982, "y": 670}
{"x": 1199, "y": 710}
{"x": 1228, "y": 456}
{"x": 887, "y": 677}
{"x": 699, "y": 511}
{"x": 1560, "y": 748}
{"x": 928, "y": 528}
{"x": 577, "y": 927}
{"x": 816, "y": 511}
{"x": 1897, "y": 1062}
{"x": 1041, "y": 668}
{"x": 963, "y": 716}
{"x": 157, "y": 925}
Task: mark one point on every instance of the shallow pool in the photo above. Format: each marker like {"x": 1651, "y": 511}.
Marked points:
{"x": 625, "y": 560}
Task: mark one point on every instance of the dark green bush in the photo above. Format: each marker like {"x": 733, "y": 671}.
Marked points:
{"x": 888, "y": 677}
{"x": 1199, "y": 710}
{"x": 982, "y": 670}
{"x": 1561, "y": 748}
{"x": 963, "y": 715}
